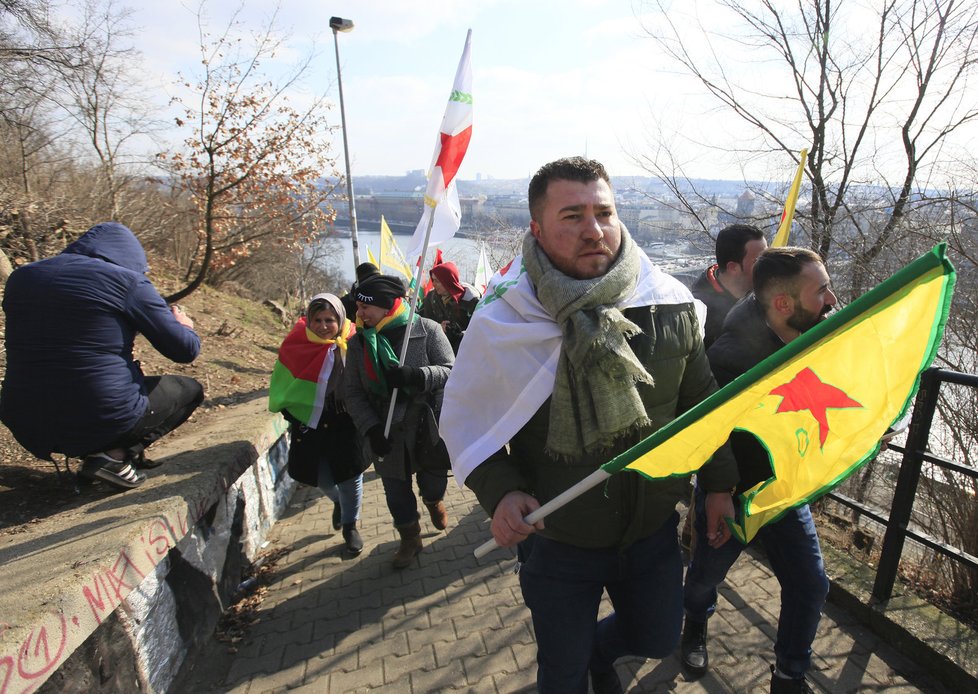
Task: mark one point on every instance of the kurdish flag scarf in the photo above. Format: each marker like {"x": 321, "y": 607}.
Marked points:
{"x": 301, "y": 377}
{"x": 378, "y": 355}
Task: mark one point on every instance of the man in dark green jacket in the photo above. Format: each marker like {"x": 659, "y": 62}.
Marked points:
{"x": 580, "y": 349}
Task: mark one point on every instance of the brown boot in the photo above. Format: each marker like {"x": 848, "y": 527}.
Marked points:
{"x": 438, "y": 513}
{"x": 410, "y": 544}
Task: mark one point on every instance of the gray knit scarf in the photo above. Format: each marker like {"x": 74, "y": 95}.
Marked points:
{"x": 595, "y": 400}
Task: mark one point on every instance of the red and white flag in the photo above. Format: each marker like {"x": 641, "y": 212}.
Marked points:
{"x": 441, "y": 206}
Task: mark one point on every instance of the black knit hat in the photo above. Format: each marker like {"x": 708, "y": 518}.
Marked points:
{"x": 365, "y": 270}
{"x": 380, "y": 290}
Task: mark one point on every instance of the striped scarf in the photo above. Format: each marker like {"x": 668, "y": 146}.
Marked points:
{"x": 378, "y": 355}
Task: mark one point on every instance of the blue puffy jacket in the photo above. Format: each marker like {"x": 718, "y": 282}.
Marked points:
{"x": 72, "y": 385}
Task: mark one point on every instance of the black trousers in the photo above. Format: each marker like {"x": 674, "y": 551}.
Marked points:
{"x": 172, "y": 399}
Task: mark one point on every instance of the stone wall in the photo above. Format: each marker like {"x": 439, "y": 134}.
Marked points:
{"x": 114, "y": 596}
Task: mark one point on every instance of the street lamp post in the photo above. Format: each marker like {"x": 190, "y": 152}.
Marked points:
{"x": 338, "y": 24}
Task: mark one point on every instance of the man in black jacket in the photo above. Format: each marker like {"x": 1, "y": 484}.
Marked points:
{"x": 721, "y": 285}
{"x": 792, "y": 293}
{"x": 72, "y": 385}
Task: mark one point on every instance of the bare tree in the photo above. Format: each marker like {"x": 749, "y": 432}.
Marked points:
{"x": 66, "y": 103}
{"x": 863, "y": 87}
{"x": 101, "y": 98}
{"x": 30, "y": 42}
{"x": 255, "y": 167}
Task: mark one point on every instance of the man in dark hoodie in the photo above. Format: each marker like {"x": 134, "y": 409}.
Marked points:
{"x": 72, "y": 385}
{"x": 723, "y": 284}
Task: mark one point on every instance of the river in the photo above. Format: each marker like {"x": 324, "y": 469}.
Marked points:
{"x": 464, "y": 252}
{"x": 461, "y": 251}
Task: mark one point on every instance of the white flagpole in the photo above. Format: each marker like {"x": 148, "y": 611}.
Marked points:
{"x": 461, "y": 87}
{"x": 592, "y": 480}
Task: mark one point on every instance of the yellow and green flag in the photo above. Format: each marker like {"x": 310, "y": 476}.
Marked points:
{"x": 820, "y": 404}
{"x": 390, "y": 254}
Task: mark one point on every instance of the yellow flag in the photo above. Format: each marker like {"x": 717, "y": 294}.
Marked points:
{"x": 781, "y": 238}
{"x": 820, "y": 404}
{"x": 371, "y": 258}
{"x": 390, "y": 254}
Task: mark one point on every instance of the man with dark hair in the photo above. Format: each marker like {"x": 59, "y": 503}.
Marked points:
{"x": 581, "y": 349}
{"x": 364, "y": 271}
{"x": 721, "y": 285}
{"x": 72, "y": 385}
{"x": 792, "y": 293}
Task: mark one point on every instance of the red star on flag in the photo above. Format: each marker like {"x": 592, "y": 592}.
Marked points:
{"x": 807, "y": 392}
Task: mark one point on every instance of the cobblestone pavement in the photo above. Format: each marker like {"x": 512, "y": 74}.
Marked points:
{"x": 452, "y": 623}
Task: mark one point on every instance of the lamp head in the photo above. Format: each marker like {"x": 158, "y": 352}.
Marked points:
{"x": 340, "y": 24}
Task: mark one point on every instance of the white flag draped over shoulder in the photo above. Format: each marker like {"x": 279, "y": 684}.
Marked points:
{"x": 441, "y": 196}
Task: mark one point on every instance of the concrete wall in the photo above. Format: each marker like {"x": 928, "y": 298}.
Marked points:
{"x": 113, "y": 597}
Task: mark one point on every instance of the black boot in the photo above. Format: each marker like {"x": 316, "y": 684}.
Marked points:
{"x": 696, "y": 659}
{"x": 337, "y": 515}
{"x": 354, "y": 543}
{"x": 789, "y": 685}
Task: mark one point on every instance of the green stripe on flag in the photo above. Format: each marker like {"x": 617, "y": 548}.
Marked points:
{"x": 933, "y": 261}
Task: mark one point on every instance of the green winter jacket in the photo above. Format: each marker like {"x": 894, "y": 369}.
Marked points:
{"x": 628, "y": 507}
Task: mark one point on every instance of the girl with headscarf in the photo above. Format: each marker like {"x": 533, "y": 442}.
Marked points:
{"x": 323, "y": 450}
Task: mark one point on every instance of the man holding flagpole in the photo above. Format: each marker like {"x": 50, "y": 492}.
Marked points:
{"x": 792, "y": 294}
{"x": 580, "y": 349}
{"x": 374, "y": 372}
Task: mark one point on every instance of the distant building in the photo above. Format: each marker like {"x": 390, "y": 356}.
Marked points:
{"x": 402, "y": 210}
{"x": 745, "y": 205}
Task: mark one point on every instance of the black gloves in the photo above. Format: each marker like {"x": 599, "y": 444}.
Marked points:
{"x": 378, "y": 442}
{"x": 405, "y": 376}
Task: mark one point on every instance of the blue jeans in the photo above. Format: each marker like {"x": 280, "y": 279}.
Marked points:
{"x": 401, "y": 501}
{"x": 792, "y": 548}
{"x": 563, "y": 585}
{"x": 348, "y": 494}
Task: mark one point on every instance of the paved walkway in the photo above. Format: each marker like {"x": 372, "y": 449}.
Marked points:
{"x": 451, "y": 623}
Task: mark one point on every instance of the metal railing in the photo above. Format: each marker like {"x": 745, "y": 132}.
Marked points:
{"x": 915, "y": 454}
